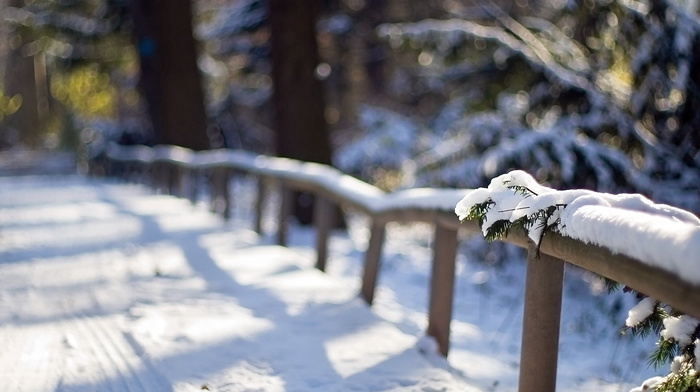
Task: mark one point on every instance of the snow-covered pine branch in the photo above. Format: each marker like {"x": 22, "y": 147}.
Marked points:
{"x": 657, "y": 234}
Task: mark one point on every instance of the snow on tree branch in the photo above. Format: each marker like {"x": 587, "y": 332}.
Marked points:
{"x": 657, "y": 234}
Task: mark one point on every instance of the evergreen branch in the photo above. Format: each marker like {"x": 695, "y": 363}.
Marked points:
{"x": 478, "y": 211}
{"x": 685, "y": 380}
{"x": 542, "y": 217}
{"x": 498, "y": 230}
{"x": 514, "y": 209}
{"x": 520, "y": 223}
{"x": 611, "y": 285}
{"x": 521, "y": 189}
{"x": 666, "y": 349}
{"x": 652, "y": 324}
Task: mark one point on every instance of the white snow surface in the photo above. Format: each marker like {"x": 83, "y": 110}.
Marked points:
{"x": 630, "y": 224}
{"x": 106, "y": 286}
{"x": 680, "y": 329}
{"x": 640, "y": 312}
{"x": 649, "y": 385}
{"x": 152, "y": 294}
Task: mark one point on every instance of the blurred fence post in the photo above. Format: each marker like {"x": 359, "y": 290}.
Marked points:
{"x": 192, "y": 189}
{"x": 179, "y": 180}
{"x": 220, "y": 196}
{"x": 324, "y": 214}
{"x": 156, "y": 181}
{"x": 541, "y": 318}
{"x": 286, "y": 205}
{"x": 260, "y": 204}
{"x": 442, "y": 286}
{"x": 171, "y": 171}
{"x": 372, "y": 259}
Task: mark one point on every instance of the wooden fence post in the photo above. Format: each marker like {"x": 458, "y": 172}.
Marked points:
{"x": 157, "y": 175}
{"x": 372, "y": 259}
{"x": 192, "y": 189}
{"x": 227, "y": 195}
{"x": 220, "y": 197}
{"x": 171, "y": 178}
{"x": 260, "y": 205}
{"x": 286, "y": 205}
{"x": 442, "y": 286}
{"x": 541, "y": 318}
{"x": 179, "y": 180}
{"x": 144, "y": 172}
{"x": 324, "y": 214}
{"x": 161, "y": 177}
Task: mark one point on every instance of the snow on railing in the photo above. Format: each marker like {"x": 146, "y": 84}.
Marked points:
{"x": 653, "y": 249}
{"x": 630, "y": 224}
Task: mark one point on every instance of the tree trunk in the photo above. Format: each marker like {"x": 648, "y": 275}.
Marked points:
{"x": 298, "y": 95}
{"x": 170, "y": 80}
{"x": 20, "y": 78}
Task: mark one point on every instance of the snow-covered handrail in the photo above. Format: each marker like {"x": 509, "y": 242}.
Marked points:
{"x": 662, "y": 261}
{"x": 314, "y": 177}
{"x": 664, "y": 237}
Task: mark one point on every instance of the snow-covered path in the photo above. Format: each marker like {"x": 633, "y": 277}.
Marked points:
{"x": 107, "y": 287}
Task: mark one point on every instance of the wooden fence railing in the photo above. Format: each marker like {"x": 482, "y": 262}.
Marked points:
{"x": 172, "y": 169}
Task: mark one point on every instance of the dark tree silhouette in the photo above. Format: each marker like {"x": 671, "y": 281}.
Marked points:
{"x": 21, "y": 79}
{"x": 298, "y": 95}
{"x": 170, "y": 80}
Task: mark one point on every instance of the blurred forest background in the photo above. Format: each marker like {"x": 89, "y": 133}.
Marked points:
{"x": 598, "y": 94}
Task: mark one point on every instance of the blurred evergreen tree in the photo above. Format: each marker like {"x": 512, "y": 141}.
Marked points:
{"x": 48, "y": 42}
{"x": 82, "y": 53}
{"x": 586, "y": 94}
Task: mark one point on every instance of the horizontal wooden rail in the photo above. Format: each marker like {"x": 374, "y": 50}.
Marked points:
{"x": 170, "y": 165}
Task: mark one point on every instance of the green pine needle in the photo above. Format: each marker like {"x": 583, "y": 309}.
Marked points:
{"x": 611, "y": 285}
{"x": 651, "y": 325}
{"x": 520, "y": 189}
{"x": 478, "y": 211}
{"x": 666, "y": 350}
{"x": 498, "y": 230}
{"x": 521, "y": 224}
{"x": 685, "y": 380}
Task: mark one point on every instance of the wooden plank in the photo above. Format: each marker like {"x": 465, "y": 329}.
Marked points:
{"x": 442, "y": 286}
{"x": 541, "y": 319}
{"x": 372, "y": 261}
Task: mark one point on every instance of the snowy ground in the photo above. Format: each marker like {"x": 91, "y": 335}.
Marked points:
{"x": 109, "y": 287}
